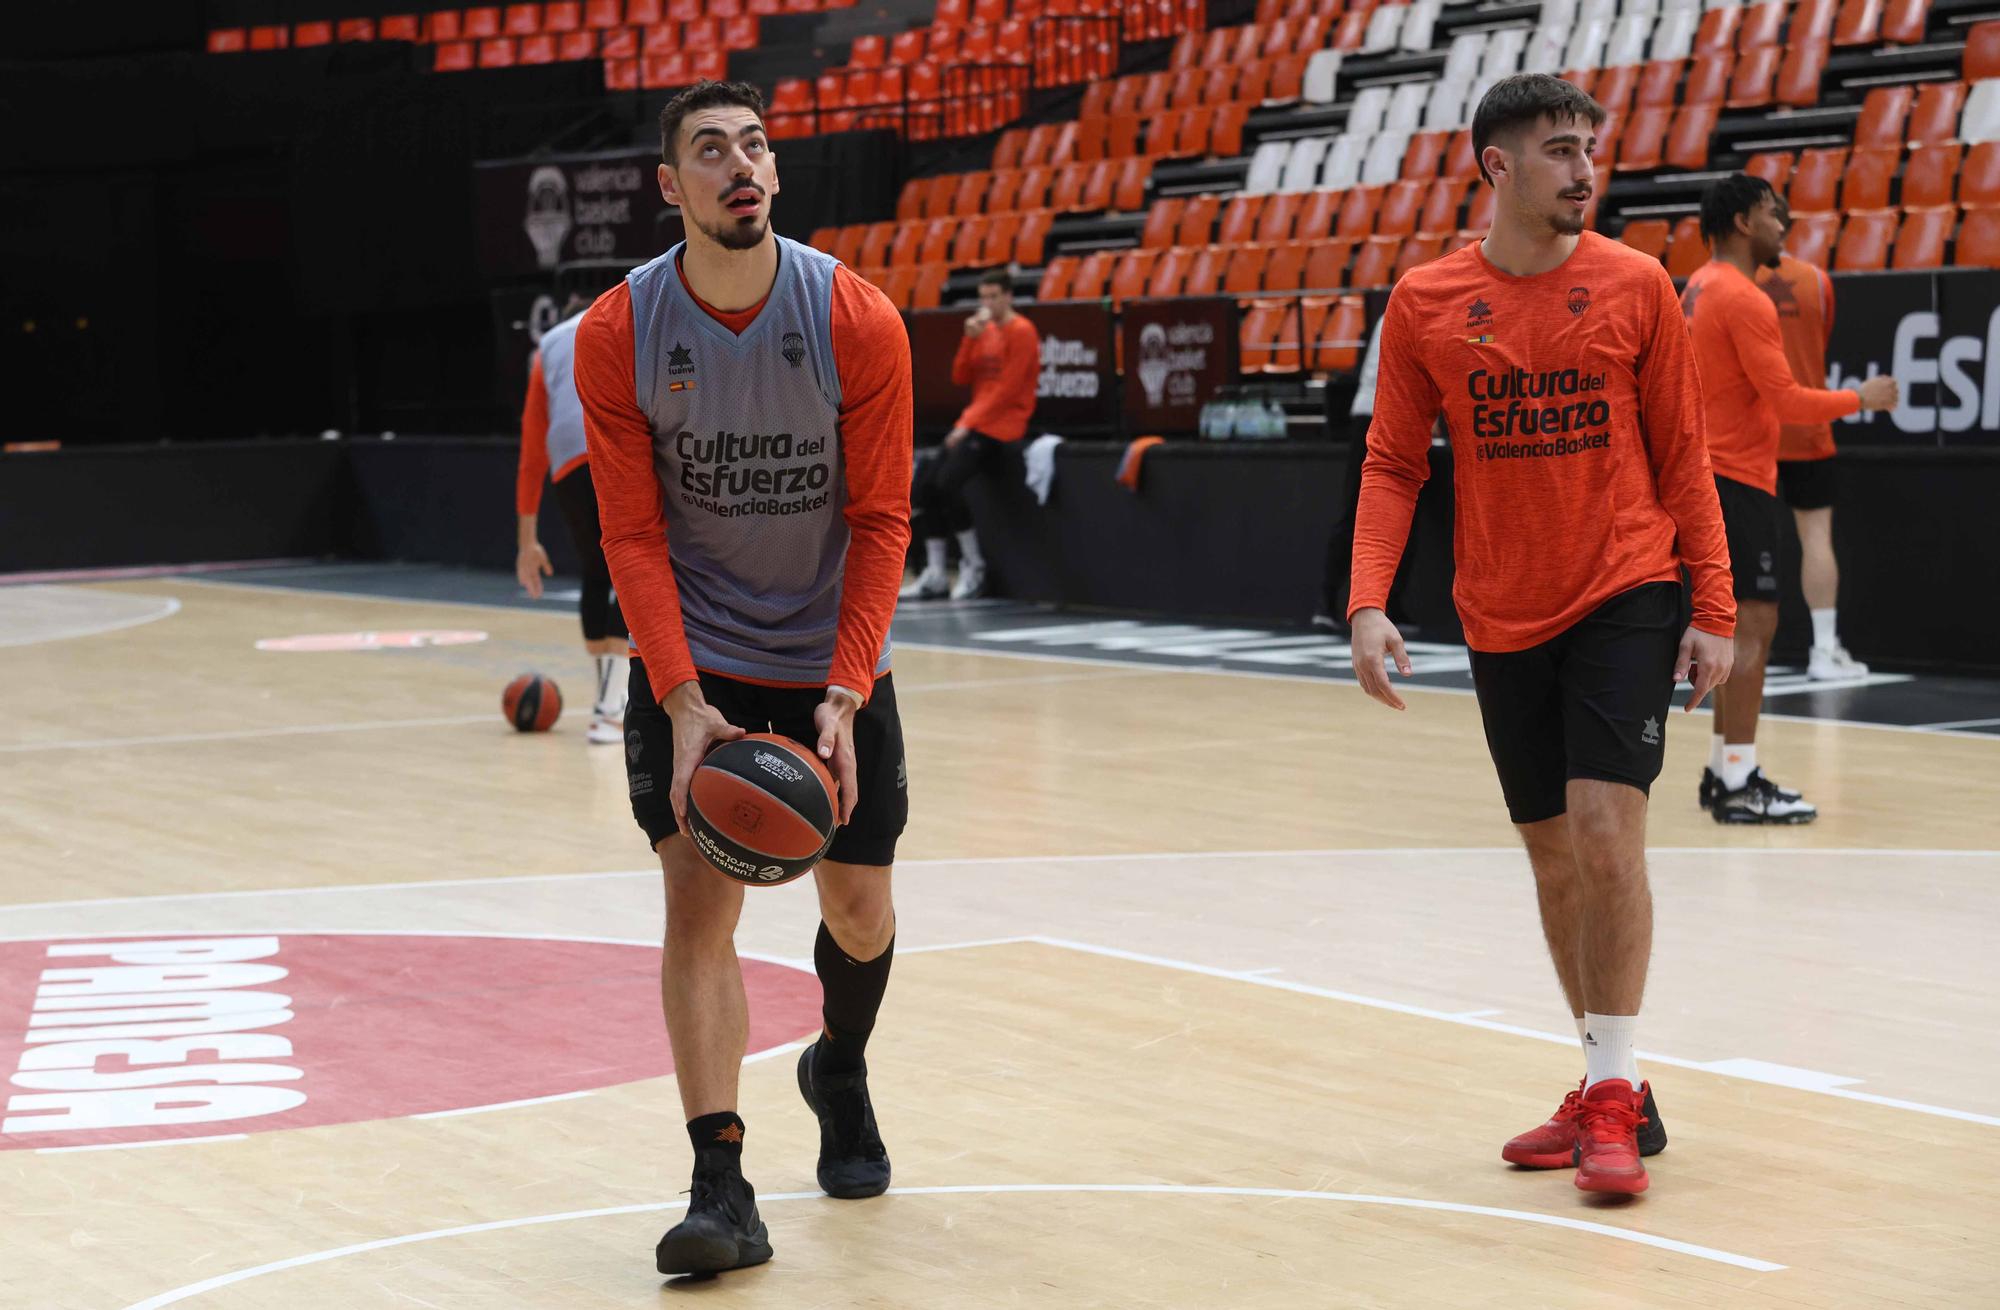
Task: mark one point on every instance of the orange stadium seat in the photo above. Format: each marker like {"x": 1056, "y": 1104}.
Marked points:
{"x": 929, "y": 291}
{"x": 1929, "y": 174}
{"x": 1978, "y": 243}
{"x": 1884, "y": 111}
{"x": 1660, "y": 82}
{"x": 1375, "y": 262}
{"x": 1239, "y": 220}
{"x": 1904, "y": 21}
{"x": 1169, "y": 272}
{"x": 1418, "y": 250}
{"x": 1615, "y": 89}
{"x": 1442, "y": 204}
{"x": 1816, "y": 181}
{"x": 968, "y": 244}
{"x": 1342, "y": 336}
{"x": 1865, "y": 241}
{"x": 1865, "y": 183}
{"x": 1756, "y": 70}
{"x": 1693, "y": 129}
{"x": 1092, "y": 275}
{"x": 1799, "y": 75}
{"x": 1281, "y": 212}
{"x": 1979, "y": 182}
{"x": 1762, "y": 25}
{"x": 1708, "y": 77}
{"x": 1812, "y": 237}
{"x": 1287, "y": 266}
{"x": 1326, "y": 265}
{"x": 1198, "y": 220}
{"x": 1642, "y": 139}
{"x": 1647, "y": 235}
{"x": 1245, "y": 270}
{"x": 1318, "y": 215}
{"x": 1056, "y": 278}
{"x": 1934, "y": 115}
{"x": 1685, "y": 250}
{"x": 1204, "y": 275}
{"x": 1034, "y": 236}
{"x": 1425, "y": 153}
{"x": 1357, "y": 212}
{"x": 876, "y": 240}
{"x": 1131, "y": 273}
{"x": 1717, "y": 30}
{"x": 1920, "y": 242}
{"x": 1402, "y": 203}
{"x": 1003, "y": 233}
{"x": 1163, "y": 222}
{"x": 1775, "y": 168}
{"x": 1859, "y": 22}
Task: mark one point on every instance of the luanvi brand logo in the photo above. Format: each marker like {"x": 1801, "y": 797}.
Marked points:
{"x": 1478, "y": 315}
{"x": 1650, "y": 734}
{"x": 680, "y": 367}
{"x": 1579, "y": 299}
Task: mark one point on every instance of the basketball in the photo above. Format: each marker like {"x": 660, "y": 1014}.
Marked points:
{"x": 532, "y": 703}
{"x": 761, "y": 809}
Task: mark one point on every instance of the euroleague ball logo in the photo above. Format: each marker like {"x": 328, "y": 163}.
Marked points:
{"x": 782, "y": 769}
{"x": 151, "y": 1038}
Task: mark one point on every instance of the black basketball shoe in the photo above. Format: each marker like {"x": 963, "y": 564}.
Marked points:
{"x": 852, "y": 1160}
{"x": 1759, "y": 800}
{"x": 721, "y": 1231}
{"x": 1711, "y": 787}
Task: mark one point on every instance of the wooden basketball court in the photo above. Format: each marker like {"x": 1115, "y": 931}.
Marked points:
{"x": 1210, "y": 991}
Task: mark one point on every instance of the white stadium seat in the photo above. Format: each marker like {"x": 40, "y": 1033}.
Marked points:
{"x": 1322, "y": 71}
{"x": 1302, "y": 167}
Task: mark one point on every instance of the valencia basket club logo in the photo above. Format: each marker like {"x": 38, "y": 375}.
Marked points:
{"x": 794, "y": 348}
{"x": 1579, "y": 299}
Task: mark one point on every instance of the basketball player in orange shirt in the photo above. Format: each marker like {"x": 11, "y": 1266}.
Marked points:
{"x": 1562, "y": 367}
{"x": 1747, "y": 391}
{"x": 1807, "y": 458}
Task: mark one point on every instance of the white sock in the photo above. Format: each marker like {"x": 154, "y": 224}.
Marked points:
{"x": 968, "y": 549}
{"x": 1826, "y": 632}
{"x": 1737, "y": 763}
{"x": 1715, "y": 746}
{"x": 1608, "y": 1049}
{"x": 934, "y": 555}
{"x": 611, "y": 685}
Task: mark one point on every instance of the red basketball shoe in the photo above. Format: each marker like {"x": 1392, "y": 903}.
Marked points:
{"x": 1607, "y": 1138}
{"x": 1554, "y": 1144}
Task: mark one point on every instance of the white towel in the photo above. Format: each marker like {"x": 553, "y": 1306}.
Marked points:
{"x": 1041, "y": 461}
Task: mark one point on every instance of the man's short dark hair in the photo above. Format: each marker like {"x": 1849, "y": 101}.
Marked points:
{"x": 1726, "y": 199}
{"x": 1523, "y": 100}
{"x": 997, "y": 277}
{"x": 700, "y": 96}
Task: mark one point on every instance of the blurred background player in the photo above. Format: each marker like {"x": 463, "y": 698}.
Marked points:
{"x": 1747, "y": 391}
{"x": 748, "y": 405}
{"x": 1000, "y": 358}
{"x": 1807, "y": 474}
{"x": 552, "y": 446}
{"x": 1560, "y": 362}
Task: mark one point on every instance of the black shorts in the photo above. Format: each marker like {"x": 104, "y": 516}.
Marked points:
{"x": 1750, "y": 520}
{"x": 1590, "y": 702}
{"x": 1807, "y": 483}
{"x": 880, "y": 812}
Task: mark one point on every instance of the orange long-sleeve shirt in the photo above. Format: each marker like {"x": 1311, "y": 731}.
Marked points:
{"x": 1580, "y": 470}
{"x": 1003, "y": 367}
{"x": 1746, "y": 382}
{"x": 1803, "y": 296}
{"x": 534, "y": 462}
{"x": 872, "y": 353}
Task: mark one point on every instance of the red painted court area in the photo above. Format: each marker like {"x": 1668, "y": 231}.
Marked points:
{"x": 146, "y": 1038}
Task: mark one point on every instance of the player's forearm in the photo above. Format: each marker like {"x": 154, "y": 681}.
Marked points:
{"x": 1381, "y": 531}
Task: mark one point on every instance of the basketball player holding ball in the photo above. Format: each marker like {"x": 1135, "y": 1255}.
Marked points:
{"x": 747, "y": 403}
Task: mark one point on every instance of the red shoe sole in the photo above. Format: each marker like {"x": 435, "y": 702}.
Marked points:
{"x": 1565, "y": 1159}
{"x": 1621, "y": 1184}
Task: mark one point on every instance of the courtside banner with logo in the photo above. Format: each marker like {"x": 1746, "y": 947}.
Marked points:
{"x": 1939, "y": 334}
{"x": 1178, "y": 354}
{"x": 534, "y": 215}
{"x": 1079, "y": 375}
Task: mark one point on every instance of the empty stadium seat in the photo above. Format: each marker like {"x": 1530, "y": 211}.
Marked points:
{"x": 1929, "y": 174}
{"x": 1659, "y": 82}
{"x": 968, "y": 244}
{"x": 1402, "y": 205}
{"x": 1865, "y": 241}
{"x": 1280, "y": 213}
{"x": 1343, "y": 161}
{"x": 1812, "y": 237}
{"x": 1056, "y": 278}
{"x": 1646, "y": 235}
{"x": 1302, "y": 165}
{"x": 1883, "y": 113}
{"x": 1775, "y": 168}
{"x": 1920, "y": 241}
{"x": 1982, "y": 51}
{"x": 1169, "y": 272}
{"x": 1267, "y": 166}
{"x": 1978, "y": 244}
{"x": 1800, "y": 72}
{"x": 1904, "y": 21}
{"x": 1285, "y": 270}
{"x": 1130, "y": 275}
{"x": 1685, "y": 250}
{"x": 1204, "y": 275}
{"x": 1859, "y": 22}
{"x": 1442, "y": 203}
{"x": 1979, "y": 180}
{"x": 1322, "y": 70}
{"x": 1934, "y": 114}
{"x": 1865, "y": 182}
{"x": 1245, "y": 270}
{"x": 1258, "y": 332}
{"x": 1375, "y": 262}
{"x": 1035, "y": 224}
{"x": 1816, "y": 182}
{"x": 1163, "y": 222}
{"x": 1326, "y": 265}
{"x": 1750, "y": 86}
{"x": 1642, "y": 140}
{"x": 1687, "y": 140}
{"x": 1342, "y": 336}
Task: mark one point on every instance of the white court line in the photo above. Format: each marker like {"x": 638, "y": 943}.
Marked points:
{"x": 502, "y": 1105}
{"x": 1815, "y": 1082}
{"x": 1326, "y": 852}
{"x": 1957, "y": 723}
{"x": 140, "y": 1146}
{"x": 1058, "y": 659}
{"x": 242, "y": 734}
{"x": 169, "y": 608}
{"x": 192, "y": 1290}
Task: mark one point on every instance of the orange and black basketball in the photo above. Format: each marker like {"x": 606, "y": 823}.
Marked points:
{"x": 761, "y": 809}
{"x": 532, "y": 703}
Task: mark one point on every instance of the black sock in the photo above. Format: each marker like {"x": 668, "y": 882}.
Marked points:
{"x": 717, "y": 1140}
{"x": 851, "y": 992}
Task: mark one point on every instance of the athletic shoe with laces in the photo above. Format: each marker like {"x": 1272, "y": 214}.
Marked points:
{"x": 931, "y": 584}
{"x": 971, "y": 584}
{"x": 1832, "y": 663}
{"x": 1711, "y": 787}
{"x": 1759, "y": 800}
{"x": 722, "y": 1229}
{"x": 853, "y": 1163}
{"x": 1554, "y": 1144}
{"x": 1607, "y": 1138}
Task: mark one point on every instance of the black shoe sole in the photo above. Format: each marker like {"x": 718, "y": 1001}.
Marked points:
{"x": 829, "y": 1182}
{"x": 707, "y": 1255}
